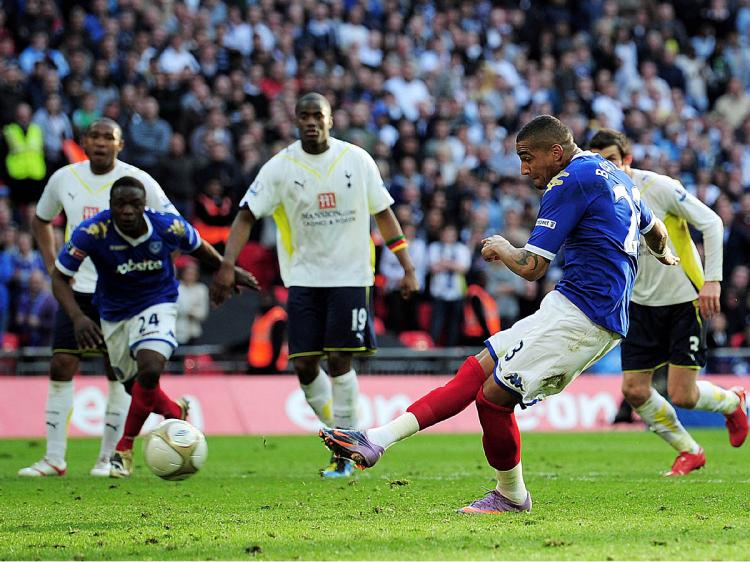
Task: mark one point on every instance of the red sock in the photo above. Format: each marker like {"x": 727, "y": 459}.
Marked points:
{"x": 165, "y": 406}
{"x": 501, "y": 438}
{"x": 142, "y": 404}
{"x": 451, "y": 398}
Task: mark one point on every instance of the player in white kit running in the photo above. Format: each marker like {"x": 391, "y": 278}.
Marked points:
{"x": 666, "y": 314}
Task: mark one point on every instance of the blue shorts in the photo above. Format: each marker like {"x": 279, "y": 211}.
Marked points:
{"x": 323, "y": 319}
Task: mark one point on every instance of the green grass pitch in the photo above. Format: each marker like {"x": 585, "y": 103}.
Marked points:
{"x": 596, "y": 496}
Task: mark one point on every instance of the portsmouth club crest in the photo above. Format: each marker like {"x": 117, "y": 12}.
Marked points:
{"x": 155, "y": 246}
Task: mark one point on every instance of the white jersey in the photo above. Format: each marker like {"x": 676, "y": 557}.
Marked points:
{"x": 322, "y": 205}
{"x": 659, "y": 285}
{"x": 81, "y": 194}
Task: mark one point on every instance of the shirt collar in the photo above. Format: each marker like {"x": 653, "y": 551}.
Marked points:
{"x": 141, "y": 239}
{"x": 581, "y": 154}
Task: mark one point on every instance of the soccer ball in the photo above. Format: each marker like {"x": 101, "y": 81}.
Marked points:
{"x": 175, "y": 450}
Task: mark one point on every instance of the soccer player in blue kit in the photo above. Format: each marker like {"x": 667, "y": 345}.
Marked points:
{"x": 593, "y": 211}
{"x": 136, "y": 294}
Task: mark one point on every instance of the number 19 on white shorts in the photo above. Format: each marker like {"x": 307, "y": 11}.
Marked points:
{"x": 152, "y": 329}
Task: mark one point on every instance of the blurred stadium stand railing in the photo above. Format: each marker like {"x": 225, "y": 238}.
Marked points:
{"x": 215, "y": 359}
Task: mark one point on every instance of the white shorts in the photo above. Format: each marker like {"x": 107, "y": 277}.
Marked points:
{"x": 541, "y": 354}
{"x": 153, "y": 329}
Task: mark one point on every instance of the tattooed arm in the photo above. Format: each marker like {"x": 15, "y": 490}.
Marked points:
{"x": 520, "y": 261}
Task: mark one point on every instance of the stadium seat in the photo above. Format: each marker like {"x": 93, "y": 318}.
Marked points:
{"x": 417, "y": 339}
{"x": 10, "y": 342}
{"x": 201, "y": 364}
{"x": 183, "y": 259}
{"x": 424, "y": 314}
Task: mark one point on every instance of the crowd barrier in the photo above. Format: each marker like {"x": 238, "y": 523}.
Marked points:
{"x": 266, "y": 405}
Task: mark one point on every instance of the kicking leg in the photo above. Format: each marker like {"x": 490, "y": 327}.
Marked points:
{"x": 502, "y": 447}
{"x": 366, "y": 448}
{"x": 145, "y": 393}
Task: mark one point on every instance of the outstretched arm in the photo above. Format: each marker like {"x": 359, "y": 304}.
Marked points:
{"x": 391, "y": 231}
{"x": 208, "y": 255}
{"x": 520, "y": 261}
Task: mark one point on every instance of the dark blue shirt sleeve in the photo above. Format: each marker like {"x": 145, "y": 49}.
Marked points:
{"x": 184, "y": 236}
{"x": 74, "y": 252}
{"x": 560, "y": 211}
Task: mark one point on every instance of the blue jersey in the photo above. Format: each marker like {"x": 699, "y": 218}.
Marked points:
{"x": 133, "y": 273}
{"x": 594, "y": 212}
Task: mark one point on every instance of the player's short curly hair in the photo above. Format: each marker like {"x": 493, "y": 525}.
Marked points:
{"x": 127, "y": 181}
{"x": 610, "y": 137}
{"x": 545, "y": 131}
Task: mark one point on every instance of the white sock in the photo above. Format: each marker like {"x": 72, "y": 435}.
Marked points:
{"x": 118, "y": 402}
{"x": 662, "y": 419}
{"x": 402, "y": 427}
{"x": 320, "y": 397}
{"x": 511, "y": 485}
{"x": 345, "y": 399}
{"x": 57, "y": 412}
{"x": 712, "y": 398}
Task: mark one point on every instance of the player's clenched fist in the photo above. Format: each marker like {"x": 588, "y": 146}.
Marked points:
{"x": 409, "y": 284}
{"x": 491, "y": 247}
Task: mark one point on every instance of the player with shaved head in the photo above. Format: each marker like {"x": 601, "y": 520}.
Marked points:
{"x": 593, "y": 211}
{"x": 321, "y": 192}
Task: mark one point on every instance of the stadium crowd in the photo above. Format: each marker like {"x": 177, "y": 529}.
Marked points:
{"x": 204, "y": 91}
